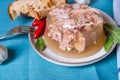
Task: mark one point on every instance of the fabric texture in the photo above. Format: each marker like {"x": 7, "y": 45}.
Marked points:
{"x": 25, "y": 64}
{"x": 116, "y": 11}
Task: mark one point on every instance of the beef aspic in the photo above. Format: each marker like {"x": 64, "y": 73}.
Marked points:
{"x": 75, "y": 27}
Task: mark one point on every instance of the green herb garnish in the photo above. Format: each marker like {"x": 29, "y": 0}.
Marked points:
{"x": 40, "y": 44}
{"x": 113, "y": 35}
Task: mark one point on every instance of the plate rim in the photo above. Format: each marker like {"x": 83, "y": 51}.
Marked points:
{"x": 40, "y": 53}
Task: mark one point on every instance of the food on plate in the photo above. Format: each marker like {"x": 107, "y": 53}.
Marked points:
{"x": 74, "y": 28}
{"x": 36, "y": 22}
{"x": 40, "y": 43}
{"x": 113, "y": 35}
{"x": 33, "y": 8}
{"x": 40, "y": 29}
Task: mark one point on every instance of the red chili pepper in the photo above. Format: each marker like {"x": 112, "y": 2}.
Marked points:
{"x": 36, "y": 22}
{"x": 40, "y": 30}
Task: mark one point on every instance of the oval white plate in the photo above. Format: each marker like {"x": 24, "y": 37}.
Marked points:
{"x": 57, "y": 59}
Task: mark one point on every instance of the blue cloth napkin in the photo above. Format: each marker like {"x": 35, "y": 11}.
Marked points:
{"x": 116, "y": 9}
{"x": 25, "y": 64}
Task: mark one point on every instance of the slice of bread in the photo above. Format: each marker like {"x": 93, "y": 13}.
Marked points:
{"x": 33, "y": 8}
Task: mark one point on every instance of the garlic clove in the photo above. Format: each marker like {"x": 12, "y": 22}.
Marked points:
{"x": 3, "y": 54}
{"x": 86, "y": 2}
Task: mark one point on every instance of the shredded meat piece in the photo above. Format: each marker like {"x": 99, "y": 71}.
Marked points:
{"x": 68, "y": 23}
{"x": 79, "y": 44}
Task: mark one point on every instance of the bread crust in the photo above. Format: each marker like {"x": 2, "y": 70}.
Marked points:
{"x": 10, "y": 12}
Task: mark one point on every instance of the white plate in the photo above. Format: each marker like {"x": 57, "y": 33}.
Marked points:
{"x": 57, "y": 59}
